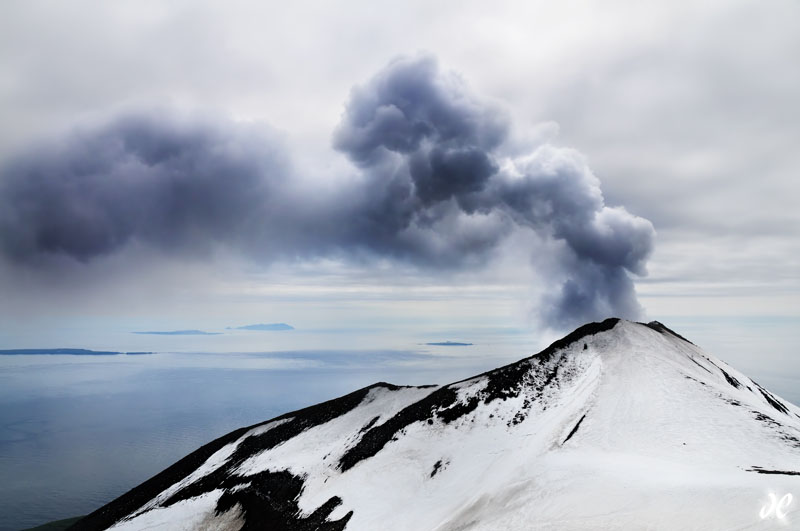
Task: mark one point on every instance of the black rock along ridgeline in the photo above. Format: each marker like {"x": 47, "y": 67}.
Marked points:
{"x": 270, "y": 498}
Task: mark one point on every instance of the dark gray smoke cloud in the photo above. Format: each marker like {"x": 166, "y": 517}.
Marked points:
{"x": 167, "y": 181}
{"x": 431, "y": 190}
{"x": 412, "y": 111}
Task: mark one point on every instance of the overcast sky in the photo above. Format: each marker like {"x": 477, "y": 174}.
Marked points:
{"x": 667, "y": 130}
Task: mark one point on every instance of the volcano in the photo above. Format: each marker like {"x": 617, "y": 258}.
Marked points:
{"x": 619, "y": 425}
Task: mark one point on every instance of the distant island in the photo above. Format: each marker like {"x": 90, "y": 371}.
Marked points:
{"x": 272, "y": 327}
{"x": 179, "y": 333}
{"x": 449, "y": 344}
{"x": 65, "y": 351}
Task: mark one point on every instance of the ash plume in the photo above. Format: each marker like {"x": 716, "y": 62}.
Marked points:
{"x": 430, "y": 189}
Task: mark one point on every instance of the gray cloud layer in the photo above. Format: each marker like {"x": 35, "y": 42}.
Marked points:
{"x": 431, "y": 189}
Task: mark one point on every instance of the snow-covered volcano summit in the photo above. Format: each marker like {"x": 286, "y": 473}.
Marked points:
{"x": 618, "y": 425}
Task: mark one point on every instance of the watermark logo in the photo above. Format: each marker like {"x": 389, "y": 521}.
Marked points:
{"x": 775, "y": 507}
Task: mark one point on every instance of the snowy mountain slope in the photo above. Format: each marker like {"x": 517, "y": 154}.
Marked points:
{"x": 619, "y": 425}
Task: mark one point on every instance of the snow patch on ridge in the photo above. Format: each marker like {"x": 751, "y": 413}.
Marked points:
{"x": 216, "y": 460}
{"x": 188, "y": 515}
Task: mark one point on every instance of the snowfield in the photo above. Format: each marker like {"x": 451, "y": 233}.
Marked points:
{"x": 619, "y": 425}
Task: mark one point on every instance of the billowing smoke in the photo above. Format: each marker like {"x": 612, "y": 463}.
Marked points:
{"x": 156, "y": 178}
{"x": 422, "y": 131}
{"x": 430, "y": 189}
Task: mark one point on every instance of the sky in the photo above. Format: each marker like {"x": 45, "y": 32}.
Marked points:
{"x": 446, "y": 166}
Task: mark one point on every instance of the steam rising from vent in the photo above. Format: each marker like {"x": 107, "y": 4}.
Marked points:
{"x": 431, "y": 190}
